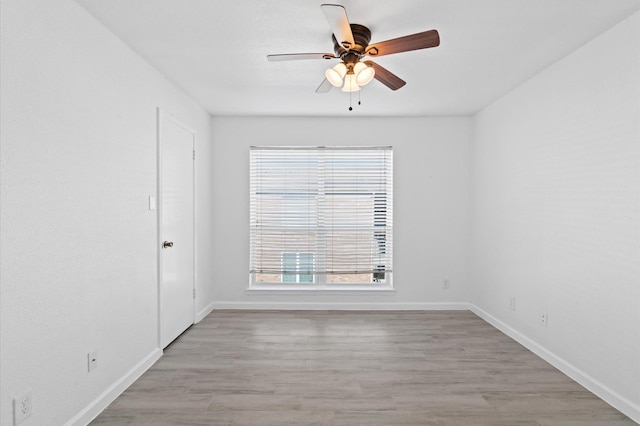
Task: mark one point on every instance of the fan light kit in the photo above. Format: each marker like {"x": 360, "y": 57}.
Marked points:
{"x": 355, "y": 76}
{"x": 351, "y": 44}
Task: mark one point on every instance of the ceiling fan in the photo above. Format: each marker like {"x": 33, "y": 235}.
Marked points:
{"x": 351, "y": 44}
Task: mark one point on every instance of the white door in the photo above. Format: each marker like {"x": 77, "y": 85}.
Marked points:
{"x": 176, "y": 218}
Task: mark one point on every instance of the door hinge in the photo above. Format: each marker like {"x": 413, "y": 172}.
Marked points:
{"x": 194, "y": 154}
{"x": 194, "y": 293}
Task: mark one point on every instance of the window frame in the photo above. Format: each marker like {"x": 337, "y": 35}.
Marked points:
{"x": 319, "y": 279}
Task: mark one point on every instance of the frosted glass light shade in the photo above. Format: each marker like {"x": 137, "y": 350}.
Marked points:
{"x": 336, "y": 74}
{"x": 350, "y": 84}
{"x": 364, "y": 74}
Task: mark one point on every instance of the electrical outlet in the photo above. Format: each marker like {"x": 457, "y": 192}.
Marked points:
{"x": 445, "y": 284}
{"x": 512, "y": 303}
{"x": 543, "y": 319}
{"x": 92, "y": 360}
{"x": 21, "y": 408}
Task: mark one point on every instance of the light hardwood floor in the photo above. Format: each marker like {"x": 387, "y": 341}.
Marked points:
{"x": 353, "y": 368}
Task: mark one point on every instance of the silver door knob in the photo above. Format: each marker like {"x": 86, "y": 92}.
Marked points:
{"x": 167, "y": 244}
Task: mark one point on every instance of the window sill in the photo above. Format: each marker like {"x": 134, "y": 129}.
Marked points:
{"x": 359, "y": 289}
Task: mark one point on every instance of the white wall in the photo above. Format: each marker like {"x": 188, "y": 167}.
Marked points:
{"x": 431, "y": 206}
{"x": 78, "y": 161}
{"x": 556, "y": 219}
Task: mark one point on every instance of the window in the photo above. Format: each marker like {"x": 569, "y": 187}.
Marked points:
{"x": 297, "y": 267}
{"x": 321, "y": 217}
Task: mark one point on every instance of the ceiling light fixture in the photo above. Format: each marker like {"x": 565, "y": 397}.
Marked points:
{"x": 351, "y": 77}
{"x": 364, "y": 73}
{"x": 350, "y": 83}
{"x": 336, "y": 74}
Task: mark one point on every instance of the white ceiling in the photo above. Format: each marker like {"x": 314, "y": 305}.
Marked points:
{"x": 216, "y": 51}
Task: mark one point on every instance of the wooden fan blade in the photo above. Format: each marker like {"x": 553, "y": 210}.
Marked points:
{"x": 417, "y": 41}
{"x": 298, "y": 56}
{"x": 339, "y": 23}
{"x": 324, "y": 87}
{"x": 386, "y": 77}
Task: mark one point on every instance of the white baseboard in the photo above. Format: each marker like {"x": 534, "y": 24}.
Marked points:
{"x": 96, "y": 406}
{"x": 619, "y": 402}
{"x": 346, "y": 306}
{"x": 203, "y": 313}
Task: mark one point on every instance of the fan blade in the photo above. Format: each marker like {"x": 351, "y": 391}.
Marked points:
{"x": 417, "y": 41}
{"x": 339, "y": 23}
{"x": 324, "y": 87}
{"x": 386, "y": 77}
{"x": 297, "y": 56}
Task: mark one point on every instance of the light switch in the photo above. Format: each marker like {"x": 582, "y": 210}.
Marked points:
{"x": 152, "y": 202}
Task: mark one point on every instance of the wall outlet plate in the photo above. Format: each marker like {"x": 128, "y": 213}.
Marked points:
{"x": 445, "y": 284}
{"x": 22, "y": 408}
{"x": 544, "y": 319}
{"x": 512, "y": 303}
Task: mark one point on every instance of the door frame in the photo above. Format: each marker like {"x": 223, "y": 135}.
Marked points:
{"x": 162, "y": 114}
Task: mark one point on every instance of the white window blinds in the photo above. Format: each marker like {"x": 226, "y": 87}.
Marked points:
{"x": 331, "y": 206}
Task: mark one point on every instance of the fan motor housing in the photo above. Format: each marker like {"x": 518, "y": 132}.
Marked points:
{"x": 361, "y": 37}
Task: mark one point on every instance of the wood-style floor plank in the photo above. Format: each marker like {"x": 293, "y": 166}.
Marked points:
{"x": 353, "y": 368}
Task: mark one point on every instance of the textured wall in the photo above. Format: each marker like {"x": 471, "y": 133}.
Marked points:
{"x": 431, "y": 204}
{"x": 78, "y": 162}
{"x": 556, "y": 219}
